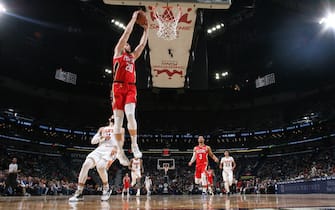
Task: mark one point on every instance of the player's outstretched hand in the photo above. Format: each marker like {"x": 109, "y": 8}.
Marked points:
{"x": 216, "y": 160}
{"x": 189, "y": 163}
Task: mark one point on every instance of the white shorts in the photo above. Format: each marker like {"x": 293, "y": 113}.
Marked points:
{"x": 136, "y": 174}
{"x": 227, "y": 175}
{"x": 102, "y": 153}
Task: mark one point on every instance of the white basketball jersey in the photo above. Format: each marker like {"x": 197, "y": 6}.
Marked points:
{"x": 108, "y": 132}
{"x": 227, "y": 163}
{"x": 147, "y": 181}
{"x": 136, "y": 165}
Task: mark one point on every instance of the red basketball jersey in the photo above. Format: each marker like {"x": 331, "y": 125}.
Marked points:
{"x": 201, "y": 153}
{"x": 124, "y": 68}
{"x": 126, "y": 180}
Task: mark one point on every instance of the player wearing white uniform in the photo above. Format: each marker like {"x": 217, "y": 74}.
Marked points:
{"x": 227, "y": 164}
{"x": 101, "y": 158}
{"x": 148, "y": 184}
{"x": 136, "y": 167}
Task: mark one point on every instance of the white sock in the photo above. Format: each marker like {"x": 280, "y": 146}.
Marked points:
{"x": 105, "y": 187}
{"x": 80, "y": 188}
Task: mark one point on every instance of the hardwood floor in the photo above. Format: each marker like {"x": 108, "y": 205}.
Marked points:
{"x": 310, "y": 201}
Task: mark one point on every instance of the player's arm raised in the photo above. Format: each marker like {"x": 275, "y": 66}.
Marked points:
{"x": 143, "y": 42}
{"x": 211, "y": 154}
{"x": 125, "y": 36}
{"x": 192, "y": 159}
{"x": 97, "y": 138}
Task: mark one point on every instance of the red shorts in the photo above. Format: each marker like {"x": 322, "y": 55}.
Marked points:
{"x": 199, "y": 169}
{"x": 126, "y": 185}
{"x": 122, "y": 94}
{"x": 210, "y": 180}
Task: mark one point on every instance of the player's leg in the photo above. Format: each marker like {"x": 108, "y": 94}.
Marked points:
{"x": 204, "y": 183}
{"x": 133, "y": 179}
{"x": 87, "y": 165}
{"x": 230, "y": 178}
{"x": 118, "y": 100}
{"x": 102, "y": 171}
{"x": 118, "y": 121}
{"x": 138, "y": 185}
{"x": 210, "y": 186}
{"x": 197, "y": 175}
{"x": 226, "y": 182}
{"x": 129, "y": 109}
{"x": 132, "y": 128}
{"x": 147, "y": 187}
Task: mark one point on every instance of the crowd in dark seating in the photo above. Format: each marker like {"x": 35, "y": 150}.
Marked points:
{"x": 43, "y": 175}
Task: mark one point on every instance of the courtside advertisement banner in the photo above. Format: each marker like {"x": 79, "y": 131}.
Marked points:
{"x": 169, "y": 58}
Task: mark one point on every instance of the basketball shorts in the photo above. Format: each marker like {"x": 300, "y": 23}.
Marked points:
{"x": 126, "y": 185}
{"x": 123, "y": 94}
{"x": 136, "y": 174}
{"x": 227, "y": 176}
{"x": 199, "y": 169}
{"x": 102, "y": 154}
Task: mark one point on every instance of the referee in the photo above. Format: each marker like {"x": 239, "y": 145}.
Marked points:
{"x": 12, "y": 177}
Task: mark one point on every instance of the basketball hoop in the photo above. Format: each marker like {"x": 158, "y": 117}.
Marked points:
{"x": 167, "y": 18}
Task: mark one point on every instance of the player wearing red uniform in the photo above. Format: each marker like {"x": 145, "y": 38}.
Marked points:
{"x": 200, "y": 156}
{"x": 126, "y": 185}
{"x": 123, "y": 92}
{"x": 210, "y": 174}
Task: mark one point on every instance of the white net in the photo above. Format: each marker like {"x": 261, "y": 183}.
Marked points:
{"x": 167, "y": 18}
{"x": 166, "y": 168}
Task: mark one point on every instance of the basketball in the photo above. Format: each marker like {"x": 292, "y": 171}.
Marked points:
{"x": 141, "y": 18}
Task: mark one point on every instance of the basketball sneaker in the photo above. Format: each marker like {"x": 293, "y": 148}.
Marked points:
{"x": 106, "y": 194}
{"x": 122, "y": 158}
{"x": 136, "y": 151}
{"x": 78, "y": 196}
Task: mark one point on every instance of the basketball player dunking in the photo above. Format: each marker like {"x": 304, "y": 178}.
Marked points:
{"x": 101, "y": 158}
{"x": 136, "y": 167}
{"x": 200, "y": 156}
{"x": 227, "y": 164}
{"x": 123, "y": 94}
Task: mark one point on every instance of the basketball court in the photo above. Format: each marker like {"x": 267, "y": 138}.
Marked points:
{"x": 311, "y": 201}
{"x": 172, "y": 26}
